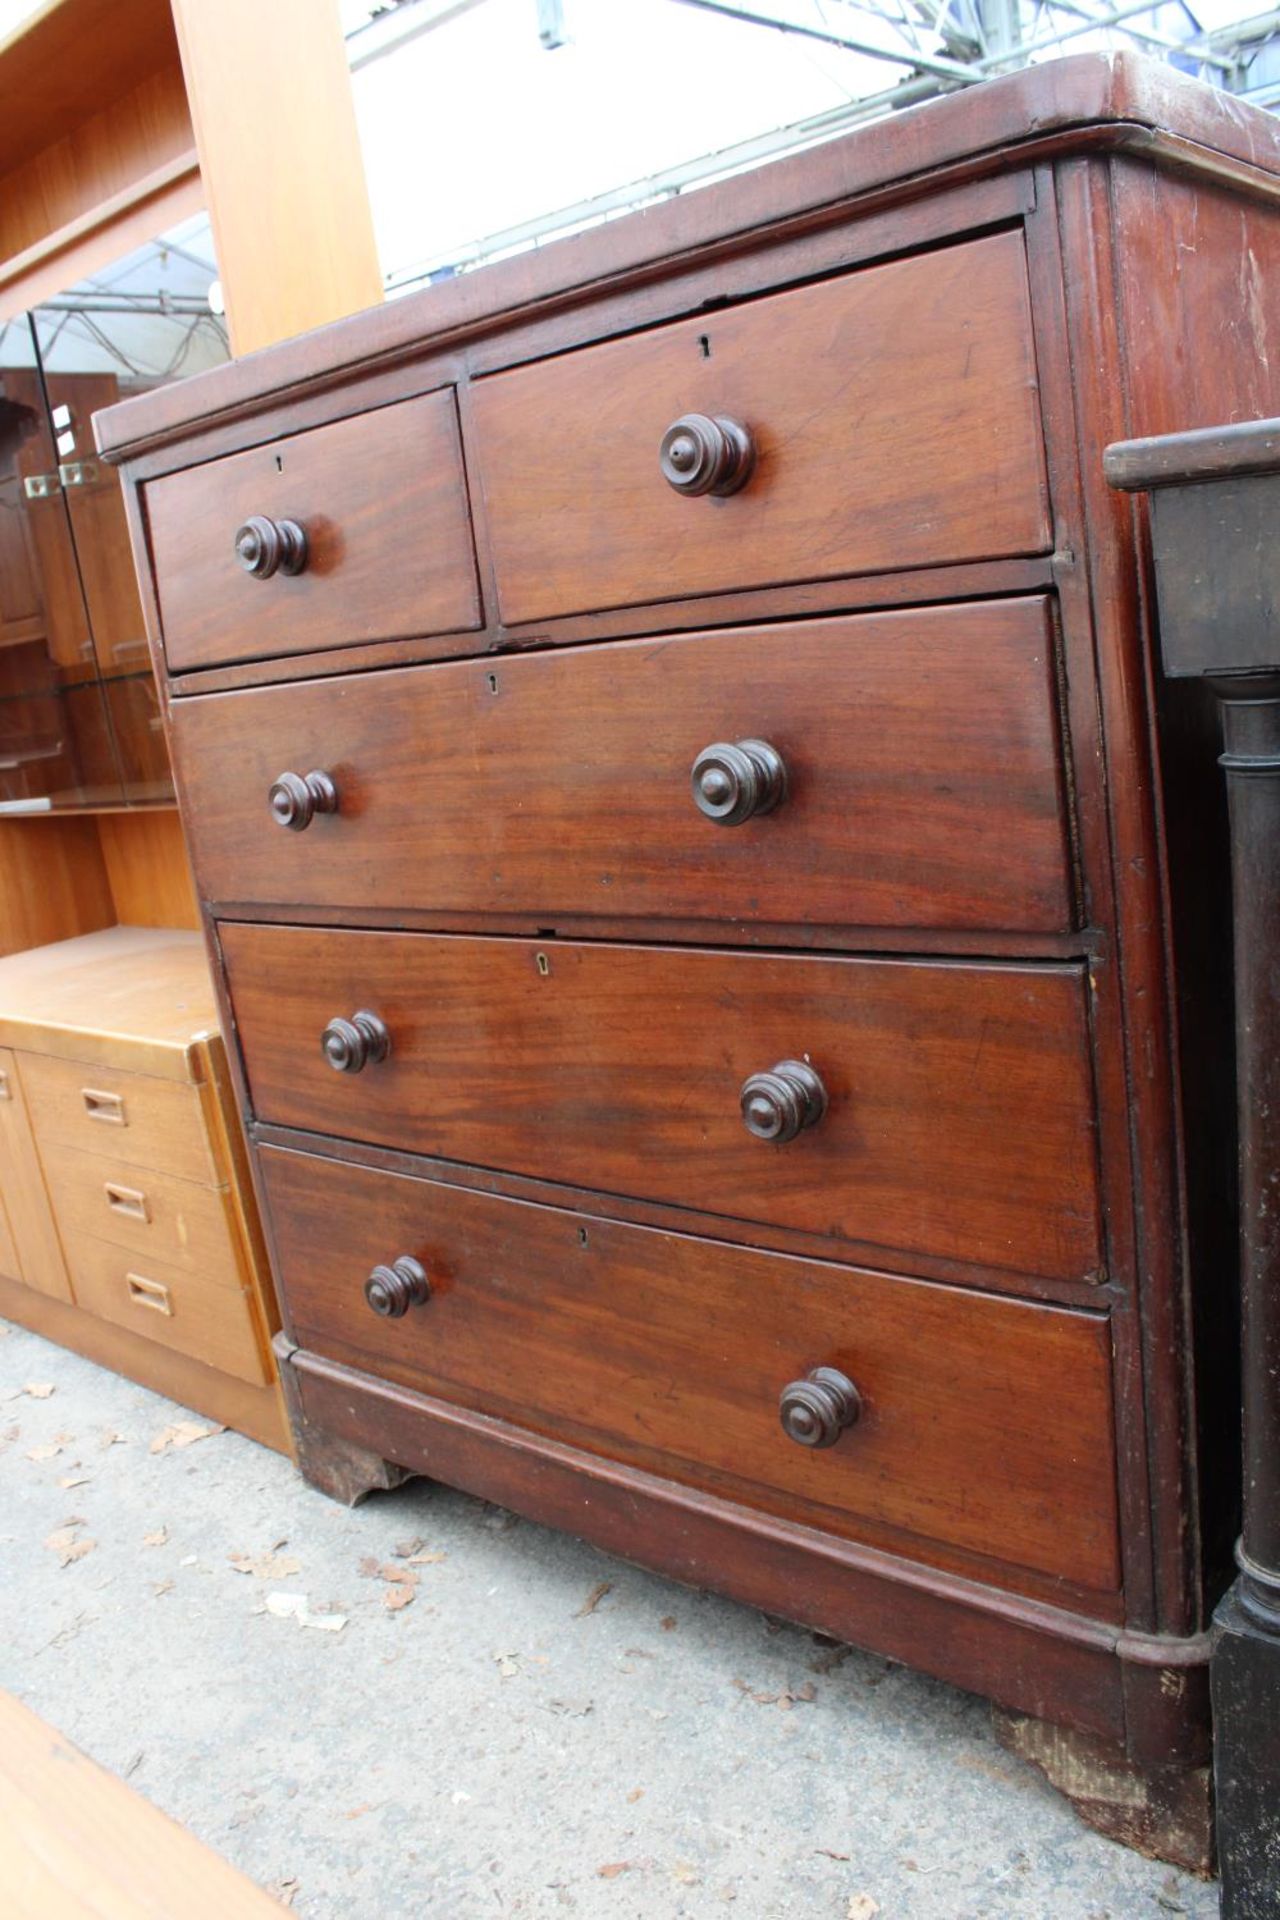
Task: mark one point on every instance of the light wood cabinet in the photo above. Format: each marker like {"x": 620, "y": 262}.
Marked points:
{"x": 127, "y": 1230}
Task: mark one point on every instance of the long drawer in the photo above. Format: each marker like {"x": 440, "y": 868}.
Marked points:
{"x": 214, "y": 1324}
{"x": 921, "y": 781}
{"x": 381, "y": 501}
{"x": 895, "y": 422}
{"x": 154, "y": 1216}
{"x": 984, "y": 1423}
{"x": 958, "y": 1117}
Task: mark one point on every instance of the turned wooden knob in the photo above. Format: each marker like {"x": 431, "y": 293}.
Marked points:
{"x": 732, "y": 783}
{"x": 700, "y": 454}
{"x": 264, "y": 547}
{"x": 296, "y": 798}
{"x": 781, "y": 1103}
{"x": 815, "y": 1411}
{"x": 391, "y": 1291}
{"x": 350, "y": 1045}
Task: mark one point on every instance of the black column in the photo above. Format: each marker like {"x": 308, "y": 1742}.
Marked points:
{"x": 1245, "y": 1669}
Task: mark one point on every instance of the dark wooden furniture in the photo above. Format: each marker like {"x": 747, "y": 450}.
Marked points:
{"x": 1214, "y": 511}
{"x": 684, "y": 843}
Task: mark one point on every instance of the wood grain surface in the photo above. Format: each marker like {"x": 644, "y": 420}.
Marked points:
{"x": 134, "y": 1117}
{"x": 214, "y": 1324}
{"x": 960, "y": 1119}
{"x": 77, "y": 1844}
{"x": 894, "y": 411}
{"x": 923, "y": 763}
{"x": 985, "y": 1423}
{"x": 382, "y": 499}
{"x": 152, "y": 1215}
{"x": 257, "y": 1411}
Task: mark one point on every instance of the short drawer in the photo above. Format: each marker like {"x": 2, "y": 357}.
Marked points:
{"x": 916, "y": 754}
{"x": 958, "y": 1119}
{"x": 135, "y": 1117}
{"x": 893, "y": 413}
{"x": 984, "y": 1423}
{"x": 154, "y": 1216}
{"x": 381, "y": 501}
{"x": 213, "y": 1324}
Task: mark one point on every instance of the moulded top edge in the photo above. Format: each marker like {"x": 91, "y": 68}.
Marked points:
{"x": 1087, "y": 92}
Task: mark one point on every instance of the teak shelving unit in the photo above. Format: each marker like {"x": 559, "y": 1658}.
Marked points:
{"x": 121, "y": 118}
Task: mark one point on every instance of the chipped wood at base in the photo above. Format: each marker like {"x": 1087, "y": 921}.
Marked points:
{"x": 1164, "y": 1812}
{"x": 340, "y": 1468}
{"x": 1025, "y": 1653}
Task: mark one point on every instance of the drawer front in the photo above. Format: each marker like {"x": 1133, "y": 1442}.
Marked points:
{"x": 213, "y": 1324}
{"x": 30, "y": 1249}
{"x": 921, "y": 779}
{"x": 985, "y": 1423}
{"x": 895, "y": 419}
{"x": 154, "y": 1216}
{"x": 135, "y": 1117}
{"x": 958, "y": 1123}
{"x": 382, "y": 501}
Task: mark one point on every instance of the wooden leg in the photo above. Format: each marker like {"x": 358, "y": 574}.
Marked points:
{"x": 338, "y": 1467}
{"x": 1165, "y": 1811}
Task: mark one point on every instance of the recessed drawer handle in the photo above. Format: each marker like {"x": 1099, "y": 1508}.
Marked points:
{"x": 6, "y": 1091}
{"x": 107, "y": 1107}
{"x": 701, "y": 454}
{"x": 391, "y": 1291}
{"x": 264, "y": 547}
{"x": 126, "y": 1200}
{"x": 781, "y": 1103}
{"x": 815, "y": 1411}
{"x": 296, "y": 798}
{"x": 350, "y": 1045}
{"x": 151, "y": 1294}
{"x": 735, "y": 782}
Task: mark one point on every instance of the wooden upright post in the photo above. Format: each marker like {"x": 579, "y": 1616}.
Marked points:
{"x": 275, "y": 128}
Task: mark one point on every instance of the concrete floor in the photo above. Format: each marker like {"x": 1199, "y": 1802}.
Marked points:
{"x": 499, "y": 1746}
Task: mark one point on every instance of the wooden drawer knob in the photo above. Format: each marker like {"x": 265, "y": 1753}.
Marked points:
{"x": 391, "y": 1291}
{"x": 781, "y": 1103}
{"x": 350, "y": 1045}
{"x": 264, "y": 547}
{"x": 700, "y": 454}
{"x": 296, "y": 798}
{"x": 815, "y": 1411}
{"x": 733, "y": 783}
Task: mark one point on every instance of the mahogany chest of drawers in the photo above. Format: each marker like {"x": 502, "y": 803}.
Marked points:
{"x": 715, "y": 921}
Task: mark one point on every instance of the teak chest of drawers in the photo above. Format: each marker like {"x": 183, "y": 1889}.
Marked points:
{"x": 715, "y": 923}
{"x": 128, "y": 1229}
